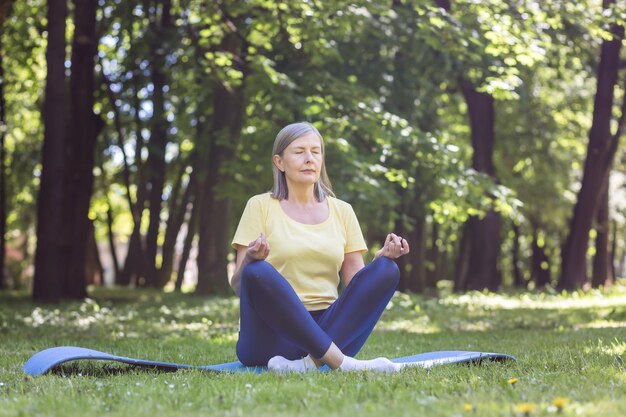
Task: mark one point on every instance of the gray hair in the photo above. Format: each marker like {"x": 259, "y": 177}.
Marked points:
{"x": 284, "y": 138}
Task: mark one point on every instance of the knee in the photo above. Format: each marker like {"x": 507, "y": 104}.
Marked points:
{"x": 387, "y": 271}
{"x": 256, "y": 273}
{"x": 255, "y": 269}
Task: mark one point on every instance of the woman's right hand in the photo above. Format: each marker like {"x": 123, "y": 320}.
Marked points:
{"x": 259, "y": 249}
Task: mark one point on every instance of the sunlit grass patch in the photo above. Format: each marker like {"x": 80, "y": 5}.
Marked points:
{"x": 569, "y": 350}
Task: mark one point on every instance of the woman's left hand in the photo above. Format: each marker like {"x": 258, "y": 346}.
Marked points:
{"x": 394, "y": 247}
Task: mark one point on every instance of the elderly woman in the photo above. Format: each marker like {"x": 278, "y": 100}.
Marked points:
{"x": 292, "y": 245}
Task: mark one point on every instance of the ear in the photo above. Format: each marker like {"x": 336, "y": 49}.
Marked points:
{"x": 278, "y": 161}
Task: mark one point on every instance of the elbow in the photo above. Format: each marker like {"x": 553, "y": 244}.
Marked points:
{"x": 235, "y": 284}
{"x": 236, "y": 288}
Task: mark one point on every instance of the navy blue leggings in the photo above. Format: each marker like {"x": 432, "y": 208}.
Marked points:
{"x": 275, "y": 322}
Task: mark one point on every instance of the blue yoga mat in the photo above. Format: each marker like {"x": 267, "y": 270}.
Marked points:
{"x": 43, "y": 361}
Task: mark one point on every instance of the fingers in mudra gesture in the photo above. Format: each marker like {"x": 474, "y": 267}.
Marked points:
{"x": 259, "y": 249}
{"x": 394, "y": 247}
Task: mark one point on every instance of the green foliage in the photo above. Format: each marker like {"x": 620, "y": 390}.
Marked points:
{"x": 23, "y": 53}
{"x": 24, "y": 68}
{"x": 379, "y": 79}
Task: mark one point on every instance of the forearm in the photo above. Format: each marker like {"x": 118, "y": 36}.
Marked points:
{"x": 235, "y": 281}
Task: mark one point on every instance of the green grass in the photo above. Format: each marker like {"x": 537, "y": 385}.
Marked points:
{"x": 568, "y": 346}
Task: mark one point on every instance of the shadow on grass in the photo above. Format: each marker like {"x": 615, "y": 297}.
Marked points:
{"x": 94, "y": 369}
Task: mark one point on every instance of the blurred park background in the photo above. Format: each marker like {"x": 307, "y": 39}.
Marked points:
{"x": 486, "y": 132}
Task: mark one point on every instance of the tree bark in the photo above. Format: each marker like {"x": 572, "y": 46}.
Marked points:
{"x": 177, "y": 210}
{"x": 81, "y": 147}
{"x": 121, "y": 144}
{"x": 601, "y": 273}
{"x": 483, "y": 242}
{"x": 612, "y": 269}
{"x": 417, "y": 257}
{"x": 93, "y": 273}
{"x": 134, "y": 263}
{"x": 156, "y": 147}
{"x": 123, "y": 277}
{"x": 619, "y": 255}
{"x": 111, "y": 236}
{"x": 184, "y": 257}
{"x": 600, "y": 153}
{"x": 481, "y": 260}
{"x": 227, "y": 121}
{"x": 477, "y": 264}
{"x": 48, "y": 256}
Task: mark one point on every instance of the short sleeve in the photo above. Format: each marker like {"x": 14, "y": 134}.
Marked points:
{"x": 251, "y": 224}
{"x": 354, "y": 236}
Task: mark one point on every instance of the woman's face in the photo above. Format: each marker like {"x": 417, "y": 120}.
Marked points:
{"x": 301, "y": 161}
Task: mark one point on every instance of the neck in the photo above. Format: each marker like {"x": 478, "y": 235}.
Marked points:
{"x": 301, "y": 194}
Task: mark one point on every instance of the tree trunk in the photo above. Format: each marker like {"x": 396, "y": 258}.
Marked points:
{"x": 601, "y": 274}
{"x": 612, "y": 269}
{"x": 228, "y": 118}
{"x": 184, "y": 257}
{"x": 600, "y": 153}
{"x": 200, "y": 171}
{"x": 621, "y": 255}
{"x": 134, "y": 262}
{"x": 213, "y": 228}
{"x": 158, "y": 141}
{"x": 121, "y": 144}
{"x": 540, "y": 271}
{"x": 93, "y": 273}
{"x": 477, "y": 265}
{"x": 481, "y": 260}
{"x": 26, "y": 256}
{"x": 177, "y": 210}
{"x": 483, "y": 242}
{"x": 111, "y": 236}
{"x": 133, "y": 269}
{"x": 122, "y": 277}
{"x": 48, "y": 256}
{"x": 417, "y": 257}
{"x": 518, "y": 279}
{"x": 81, "y": 147}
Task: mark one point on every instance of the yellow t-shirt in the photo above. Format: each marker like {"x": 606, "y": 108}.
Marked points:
{"x": 309, "y": 256}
